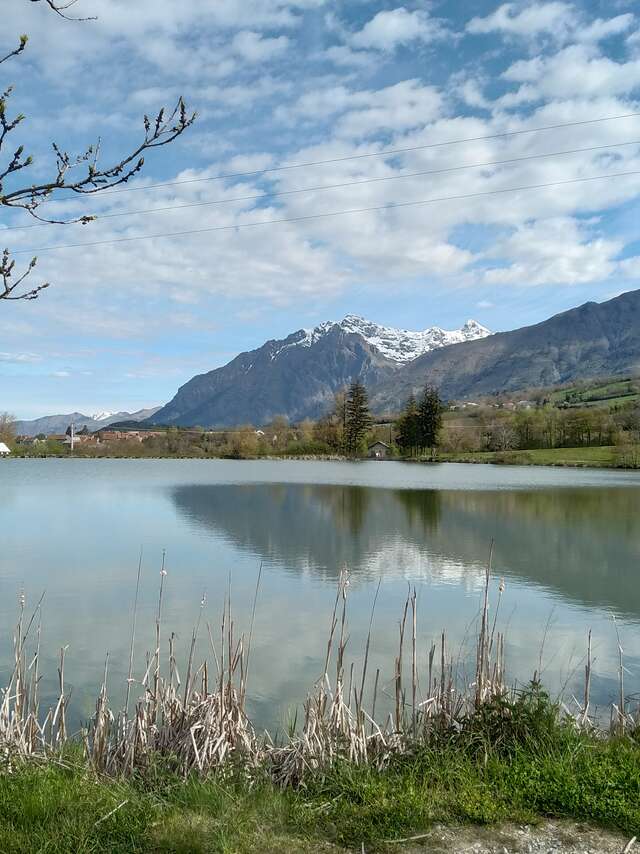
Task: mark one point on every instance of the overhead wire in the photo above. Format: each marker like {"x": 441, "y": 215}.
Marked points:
{"x": 341, "y": 185}
{"x": 382, "y": 153}
{"x": 318, "y": 216}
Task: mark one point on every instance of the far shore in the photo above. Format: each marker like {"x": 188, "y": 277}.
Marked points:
{"x": 605, "y": 457}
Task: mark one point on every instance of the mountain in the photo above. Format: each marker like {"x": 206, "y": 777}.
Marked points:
{"x": 595, "y": 339}
{"x": 106, "y": 416}
{"x": 399, "y": 345}
{"x": 299, "y": 375}
{"x": 57, "y": 424}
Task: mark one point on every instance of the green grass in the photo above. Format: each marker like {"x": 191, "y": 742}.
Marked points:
{"x": 514, "y": 761}
{"x": 612, "y": 393}
{"x": 592, "y": 456}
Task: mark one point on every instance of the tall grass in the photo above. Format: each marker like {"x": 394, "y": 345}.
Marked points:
{"x": 200, "y": 724}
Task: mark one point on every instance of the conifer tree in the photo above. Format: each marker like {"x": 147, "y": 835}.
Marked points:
{"x": 358, "y": 418}
{"x": 429, "y": 418}
{"x": 407, "y": 426}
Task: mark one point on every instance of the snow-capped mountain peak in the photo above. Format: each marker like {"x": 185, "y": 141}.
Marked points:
{"x": 103, "y": 416}
{"x": 399, "y": 345}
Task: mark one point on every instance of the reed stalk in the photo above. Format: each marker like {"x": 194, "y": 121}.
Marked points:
{"x": 202, "y": 726}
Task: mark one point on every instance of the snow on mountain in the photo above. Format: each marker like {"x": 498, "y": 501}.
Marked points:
{"x": 103, "y": 416}
{"x": 399, "y": 345}
{"x": 52, "y": 424}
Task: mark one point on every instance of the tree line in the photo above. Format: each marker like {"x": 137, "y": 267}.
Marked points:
{"x": 347, "y": 428}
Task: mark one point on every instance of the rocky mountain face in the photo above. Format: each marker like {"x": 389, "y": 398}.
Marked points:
{"x": 57, "y": 424}
{"x": 595, "y": 339}
{"x": 299, "y": 375}
{"x": 399, "y": 345}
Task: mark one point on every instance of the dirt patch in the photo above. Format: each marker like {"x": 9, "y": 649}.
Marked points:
{"x": 550, "y": 837}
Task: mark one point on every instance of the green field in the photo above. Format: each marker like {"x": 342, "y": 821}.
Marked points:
{"x": 590, "y": 456}
{"x": 608, "y": 394}
{"x": 513, "y": 762}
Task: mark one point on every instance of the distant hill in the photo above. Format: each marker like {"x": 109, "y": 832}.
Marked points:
{"x": 595, "y": 339}
{"x": 57, "y": 424}
{"x": 299, "y": 375}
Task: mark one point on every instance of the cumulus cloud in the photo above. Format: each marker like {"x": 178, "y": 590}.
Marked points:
{"x": 603, "y": 28}
{"x": 391, "y": 29}
{"x": 142, "y": 288}
{"x": 574, "y": 71}
{"x": 362, "y": 112}
{"x": 557, "y": 18}
{"x": 559, "y": 250}
{"x": 20, "y": 358}
{"x": 343, "y": 55}
{"x": 254, "y": 47}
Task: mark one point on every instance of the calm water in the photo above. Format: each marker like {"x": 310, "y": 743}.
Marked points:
{"x": 566, "y": 542}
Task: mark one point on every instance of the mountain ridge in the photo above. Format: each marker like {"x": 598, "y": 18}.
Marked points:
{"x": 399, "y": 345}
{"x": 298, "y": 376}
{"x": 57, "y": 424}
{"x": 590, "y": 340}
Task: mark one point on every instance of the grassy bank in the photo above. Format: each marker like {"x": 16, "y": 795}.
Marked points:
{"x": 181, "y": 768}
{"x": 592, "y": 457}
{"x": 515, "y": 762}
{"x": 610, "y": 456}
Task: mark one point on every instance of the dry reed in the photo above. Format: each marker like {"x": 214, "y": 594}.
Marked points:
{"x": 202, "y": 725}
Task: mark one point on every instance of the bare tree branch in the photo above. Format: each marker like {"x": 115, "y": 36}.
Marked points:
{"x": 60, "y": 9}
{"x": 9, "y": 286}
{"x": 93, "y": 177}
{"x": 158, "y": 132}
{"x": 21, "y": 46}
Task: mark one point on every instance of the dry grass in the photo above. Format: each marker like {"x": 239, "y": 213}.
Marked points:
{"x": 200, "y": 724}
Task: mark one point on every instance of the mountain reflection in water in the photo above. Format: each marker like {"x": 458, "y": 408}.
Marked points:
{"x": 583, "y": 545}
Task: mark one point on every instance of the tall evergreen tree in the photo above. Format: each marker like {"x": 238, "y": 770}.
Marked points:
{"x": 429, "y": 418}
{"x": 407, "y": 427}
{"x": 358, "y": 418}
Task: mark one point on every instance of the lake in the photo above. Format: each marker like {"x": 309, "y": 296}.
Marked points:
{"x": 566, "y": 542}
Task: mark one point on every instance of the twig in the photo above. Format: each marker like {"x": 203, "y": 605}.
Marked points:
{"x": 114, "y": 810}
{"x": 406, "y": 839}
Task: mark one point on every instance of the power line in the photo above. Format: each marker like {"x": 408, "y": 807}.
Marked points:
{"x": 390, "y": 206}
{"x": 384, "y": 153}
{"x": 342, "y": 185}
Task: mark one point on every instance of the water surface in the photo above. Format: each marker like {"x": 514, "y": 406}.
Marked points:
{"x": 565, "y": 541}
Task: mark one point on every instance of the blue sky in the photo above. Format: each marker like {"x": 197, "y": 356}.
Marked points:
{"x": 282, "y": 82}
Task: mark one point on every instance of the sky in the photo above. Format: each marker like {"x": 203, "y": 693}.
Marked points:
{"x": 447, "y": 87}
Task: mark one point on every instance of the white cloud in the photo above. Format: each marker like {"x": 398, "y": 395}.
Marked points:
{"x": 557, "y": 18}
{"x": 136, "y": 289}
{"x": 345, "y": 56}
{"x": 174, "y": 36}
{"x": 404, "y": 105}
{"x": 141, "y": 289}
{"x": 232, "y": 97}
{"x": 394, "y": 28}
{"x": 254, "y": 47}
{"x": 630, "y": 268}
{"x": 560, "y": 250}
{"x": 574, "y": 71}
{"x": 471, "y": 93}
{"x": 604, "y": 28}
{"x": 20, "y": 358}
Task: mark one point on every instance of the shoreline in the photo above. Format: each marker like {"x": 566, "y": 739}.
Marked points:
{"x": 493, "y": 458}
{"x": 504, "y": 768}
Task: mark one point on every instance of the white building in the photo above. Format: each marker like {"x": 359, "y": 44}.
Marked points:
{"x": 4, "y": 451}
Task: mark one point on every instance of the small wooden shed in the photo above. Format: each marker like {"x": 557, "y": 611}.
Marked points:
{"x": 378, "y": 451}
